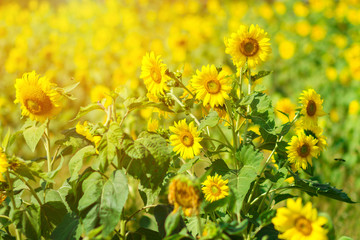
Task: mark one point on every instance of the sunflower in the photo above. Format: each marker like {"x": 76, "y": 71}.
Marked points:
{"x": 215, "y": 188}
{"x": 39, "y": 100}
{"x": 302, "y": 149}
{"x": 183, "y": 193}
{"x": 186, "y": 139}
{"x": 311, "y": 107}
{"x": 84, "y": 130}
{"x": 297, "y": 222}
{"x": 211, "y": 86}
{"x": 3, "y": 164}
{"x": 315, "y": 132}
{"x": 100, "y": 92}
{"x": 153, "y": 73}
{"x": 152, "y": 125}
{"x": 251, "y": 44}
{"x": 285, "y": 105}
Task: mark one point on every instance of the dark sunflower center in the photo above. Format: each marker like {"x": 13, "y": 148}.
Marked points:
{"x": 249, "y": 47}
{"x": 184, "y": 195}
{"x": 303, "y": 225}
{"x": 187, "y": 139}
{"x": 311, "y": 108}
{"x": 304, "y": 150}
{"x": 155, "y": 75}
{"x": 38, "y": 103}
{"x": 213, "y": 86}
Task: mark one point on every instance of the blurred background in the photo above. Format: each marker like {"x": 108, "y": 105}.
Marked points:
{"x": 100, "y": 44}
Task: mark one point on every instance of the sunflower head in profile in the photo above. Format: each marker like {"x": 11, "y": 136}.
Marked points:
{"x": 38, "y": 98}
{"x": 153, "y": 71}
{"x": 299, "y": 222}
{"x": 185, "y": 139}
{"x": 315, "y": 132}
{"x": 251, "y": 44}
{"x": 211, "y": 86}
{"x": 302, "y": 149}
{"x": 3, "y": 164}
{"x": 215, "y": 188}
{"x": 311, "y": 107}
{"x": 183, "y": 193}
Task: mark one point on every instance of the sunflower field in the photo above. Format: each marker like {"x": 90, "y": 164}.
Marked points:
{"x": 179, "y": 119}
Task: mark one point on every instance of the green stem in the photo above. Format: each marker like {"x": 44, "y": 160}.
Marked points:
{"x": 233, "y": 132}
{"x": 183, "y": 106}
{"x": 47, "y": 146}
{"x": 122, "y": 228}
{"x": 29, "y": 186}
{"x": 11, "y": 191}
{"x": 141, "y": 209}
{"x": 223, "y": 135}
{"x": 200, "y": 225}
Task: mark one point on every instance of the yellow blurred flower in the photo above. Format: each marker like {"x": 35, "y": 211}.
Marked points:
{"x": 299, "y": 222}
{"x": 280, "y": 7}
{"x": 287, "y": 49}
{"x": 183, "y": 193}
{"x": 300, "y": 9}
{"x": 318, "y": 33}
{"x": 100, "y": 92}
{"x": 265, "y": 11}
{"x": 248, "y": 44}
{"x": 286, "y": 106}
{"x": 334, "y": 115}
{"x": 3, "y": 164}
{"x": 215, "y": 188}
{"x": 303, "y": 28}
{"x": 152, "y": 125}
{"x": 38, "y": 98}
{"x": 340, "y": 41}
{"x": 354, "y": 107}
{"x": 331, "y": 73}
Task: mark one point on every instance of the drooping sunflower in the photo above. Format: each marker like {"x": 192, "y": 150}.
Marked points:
{"x": 302, "y": 149}
{"x": 185, "y": 139}
{"x": 315, "y": 132}
{"x": 297, "y": 222}
{"x": 84, "y": 130}
{"x": 215, "y": 188}
{"x": 3, "y": 164}
{"x": 251, "y": 44}
{"x": 183, "y": 193}
{"x": 38, "y": 98}
{"x": 211, "y": 86}
{"x": 153, "y": 72}
{"x": 311, "y": 107}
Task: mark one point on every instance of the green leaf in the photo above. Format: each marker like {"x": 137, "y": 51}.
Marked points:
{"x": 235, "y": 228}
{"x": 52, "y": 214}
{"x": 211, "y": 120}
{"x": 314, "y": 188}
{"x": 53, "y": 173}
{"x": 172, "y": 222}
{"x": 193, "y": 226}
{"x": 92, "y": 188}
{"x": 250, "y": 159}
{"x": 113, "y": 198}
{"x": 5, "y": 141}
{"x": 160, "y": 214}
{"x": 76, "y": 162}
{"x": 28, "y": 221}
{"x": 260, "y": 74}
{"x": 281, "y": 197}
{"x": 70, "y": 87}
{"x": 85, "y": 110}
{"x": 186, "y": 166}
{"x": 67, "y": 229}
{"x": 33, "y": 135}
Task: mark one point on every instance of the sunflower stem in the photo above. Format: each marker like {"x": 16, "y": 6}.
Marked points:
{"x": 29, "y": 186}
{"x": 200, "y": 225}
{"x": 233, "y": 133}
{"x": 183, "y": 106}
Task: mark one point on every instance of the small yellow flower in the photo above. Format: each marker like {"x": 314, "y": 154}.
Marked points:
{"x": 153, "y": 125}
{"x": 99, "y": 93}
{"x": 303, "y": 28}
{"x": 299, "y": 222}
{"x": 183, "y": 193}
{"x": 185, "y": 139}
{"x": 211, "y": 86}
{"x": 301, "y": 150}
{"x": 287, "y": 49}
{"x": 311, "y": 107}
{"x": 354, "y": 107}
{"x": 153, "y": 72}
{"x": 300, "y": 9}
{"x": 3, "y": 164}
{"x": 331, "y": 73}
{"x": 38, "y": 97}
{"x": 215, "y": 188}
{"x": 318, "y": 33}
{"x": 248, "y": 44}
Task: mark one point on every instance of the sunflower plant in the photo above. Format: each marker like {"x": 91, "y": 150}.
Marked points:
{"x": 212, "y": 162}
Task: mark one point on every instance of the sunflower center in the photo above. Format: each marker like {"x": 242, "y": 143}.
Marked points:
{"x": 155, "y": 75}
{"x": 311, "y": 108}
{"x": 184, "y": 195}
{"x": 213, "y": 86}
{"x": 303, "y": 225}
{"x": 304, "y": 150}
{"x": 215, "y": 190}
{"x": 187, "y": 139}
{"x": 38, "y": 103}
{"x": 249, "y": 47}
